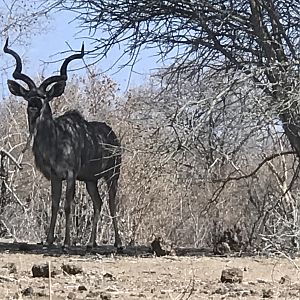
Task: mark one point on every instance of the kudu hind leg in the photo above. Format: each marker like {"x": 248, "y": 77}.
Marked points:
{"x": 112, "y": 191}
{"x": 56, "y": 187}
{"x": 92, "y": 189}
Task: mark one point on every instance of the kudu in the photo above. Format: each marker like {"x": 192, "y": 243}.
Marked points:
{"x": 68, "y": 147}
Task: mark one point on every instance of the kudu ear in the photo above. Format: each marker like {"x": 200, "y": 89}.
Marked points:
{"x": 16, "y": 89}
{"x": 56, "y": 90}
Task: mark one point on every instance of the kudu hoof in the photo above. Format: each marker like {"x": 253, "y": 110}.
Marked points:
{"x": 66, "y": 248}
{"x": 119, "y": 247}
{"x": 48, "y": 245}
{"x": 91, "y": 246}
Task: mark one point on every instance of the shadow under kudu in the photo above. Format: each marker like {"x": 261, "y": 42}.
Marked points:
{"x": 105, "y": 250}
{"x": 73, "y": 250}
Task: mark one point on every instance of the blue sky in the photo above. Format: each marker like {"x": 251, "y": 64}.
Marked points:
{"x": 62, "y": 31}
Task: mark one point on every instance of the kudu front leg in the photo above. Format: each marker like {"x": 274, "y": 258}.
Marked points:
{"x": 70, "y": 192}
{"x": 56, "y": 186}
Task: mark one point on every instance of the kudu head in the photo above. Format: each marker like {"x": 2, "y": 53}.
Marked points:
{"x": 38, "y": 97}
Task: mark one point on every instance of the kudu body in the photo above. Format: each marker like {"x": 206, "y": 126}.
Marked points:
{"x": 68, "y": 148}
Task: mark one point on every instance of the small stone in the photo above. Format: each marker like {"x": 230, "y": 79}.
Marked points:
{"x": 27, "y": 292}
{"x": 109, "y": 276}
{"x": 71, "y": 296}
{"x": 94, "y": 294}
{"x": 221, "y": 290}
{"x": 261, "y": 281}
{"x": 42, "y": 270}
{"x": 71, "y": 269}
{"x": 82, "y": 288}
{"x": 254, "y": 293}
{"x": 285, "y": 280}
{"x": 233, "y": 275}
{"x": 293, "y": 294}
{"x": 267, "y": 293}
{"x": 41, "y": 294}
{"x": 105, "y": 296}
{"x": 245, "y": 293}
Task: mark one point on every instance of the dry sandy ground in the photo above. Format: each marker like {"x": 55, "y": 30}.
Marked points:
{"x": 172, "y": 277}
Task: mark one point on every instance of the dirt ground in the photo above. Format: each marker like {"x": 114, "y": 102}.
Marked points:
{"x": 170, "y": 277}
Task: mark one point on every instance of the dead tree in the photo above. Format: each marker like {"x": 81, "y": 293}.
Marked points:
{"x": 68, "y": 147}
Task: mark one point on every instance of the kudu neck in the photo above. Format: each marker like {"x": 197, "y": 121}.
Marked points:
{"x": 46, "y": 112}
{"x": 44, "y": 122}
